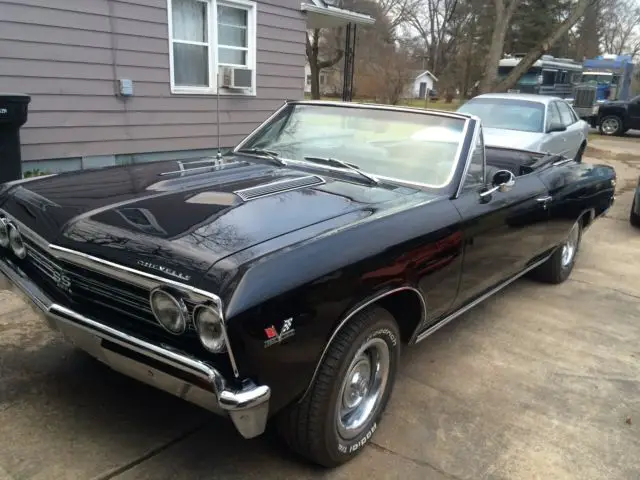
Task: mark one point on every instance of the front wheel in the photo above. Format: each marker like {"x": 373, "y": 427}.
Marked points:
{"x": 611, "y": 125}
{"x": 559, "y": 266}
{"x": 345, "y": 403}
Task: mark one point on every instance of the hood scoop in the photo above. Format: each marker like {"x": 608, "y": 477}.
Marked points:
{"x": 278, "y": 186}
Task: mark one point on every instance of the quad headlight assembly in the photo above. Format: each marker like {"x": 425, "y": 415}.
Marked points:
{"x": 169, "y": 310}
{"x": 10, "y": 237}
{"x": 210, "y": 328}
{"x": 4, "y": 232}
{"x": 172, "y": 314}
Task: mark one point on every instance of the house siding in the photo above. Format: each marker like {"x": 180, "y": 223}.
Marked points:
{"x": 67, "y": 54}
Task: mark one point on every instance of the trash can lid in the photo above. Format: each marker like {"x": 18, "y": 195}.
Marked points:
{"x": 14, "y": 97}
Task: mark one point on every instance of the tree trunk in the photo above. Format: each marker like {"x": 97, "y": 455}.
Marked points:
{"x": 315, "y": 64}
{"x": 530, "y": 58}
{"x": 589, "y": 41}
{"x": 504, "y": 13}
{"x": 312, "y": 57}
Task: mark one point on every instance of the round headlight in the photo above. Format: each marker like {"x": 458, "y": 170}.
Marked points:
{"x": 16, "y": 242}
{"x": 209, "y": 328}
{"x": 170, "y": 311}
{"x": 4, "y": 232}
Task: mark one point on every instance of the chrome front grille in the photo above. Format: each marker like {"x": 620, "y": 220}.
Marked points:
{"x": 81, "y": 286}
{"x": 584, "y": 97}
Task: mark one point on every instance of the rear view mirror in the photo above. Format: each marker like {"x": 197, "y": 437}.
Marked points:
{"x": 556, "y": 127}
{"x": 502, "y": 181}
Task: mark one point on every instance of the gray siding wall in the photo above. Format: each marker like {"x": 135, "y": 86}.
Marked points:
{"x": 68, "y": 53}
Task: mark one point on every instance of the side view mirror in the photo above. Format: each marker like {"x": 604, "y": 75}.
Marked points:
{"x": 502, "y": 181}
{"x": 556, "y": 127}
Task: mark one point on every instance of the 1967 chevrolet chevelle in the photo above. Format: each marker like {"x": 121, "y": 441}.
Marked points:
{"x": 280, "y": 281}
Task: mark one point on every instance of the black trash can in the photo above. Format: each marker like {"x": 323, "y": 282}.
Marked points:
{"x": 13, "y": 114}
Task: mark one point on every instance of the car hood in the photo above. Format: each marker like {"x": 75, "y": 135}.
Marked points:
{"x": 498, "y": 137}
{"x": 148, "y": 218}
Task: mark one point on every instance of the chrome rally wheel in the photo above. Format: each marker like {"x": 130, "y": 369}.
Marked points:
{"x": 362, "y": 388}
{"x": 570, "y": 247}
{"x": 342, "y": 409}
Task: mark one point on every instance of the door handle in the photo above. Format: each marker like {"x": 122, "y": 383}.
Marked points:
{"x": 544, "y": 201}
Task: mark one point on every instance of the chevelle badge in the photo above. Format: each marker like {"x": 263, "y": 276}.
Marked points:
{"x": 165, "y": 270}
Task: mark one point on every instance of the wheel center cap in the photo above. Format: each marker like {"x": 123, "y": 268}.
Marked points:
{"x": 358, "y": 386}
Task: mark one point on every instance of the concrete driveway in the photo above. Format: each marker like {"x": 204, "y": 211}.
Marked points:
{"x": 540, "y": 382}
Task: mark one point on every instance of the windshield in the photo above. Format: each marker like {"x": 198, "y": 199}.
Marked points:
{"x": 506, "y": 113}
{"x": 529, "y": 78}
{"x": 597, "y": 78}
{"x": 411, "y": 147}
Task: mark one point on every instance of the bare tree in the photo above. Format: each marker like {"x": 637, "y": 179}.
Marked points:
{"x": 590, "y": 31}
{"x": 397, "y": 12}
{"x": 504, "y": 10}
{"x": 432, "y": 22}
{"x": 620, "y": 30}
{"x": 314, "y": 46}
{"x": 530, "y": 58}
{"x": 385, "y": 76}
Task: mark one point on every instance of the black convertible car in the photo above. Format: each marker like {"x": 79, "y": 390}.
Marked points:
{"x": 281, "y": 280}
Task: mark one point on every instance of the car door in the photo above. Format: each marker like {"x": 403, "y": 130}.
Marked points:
{"x": 574, "y": 133}
{"x": 503, "y": 232}
{"x": 554, "y": 142}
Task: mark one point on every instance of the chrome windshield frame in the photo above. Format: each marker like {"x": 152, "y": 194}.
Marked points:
{"x": 458, "y": 160}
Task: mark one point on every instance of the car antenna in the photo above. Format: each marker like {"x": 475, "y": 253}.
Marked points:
{"x": 219, "y": 154}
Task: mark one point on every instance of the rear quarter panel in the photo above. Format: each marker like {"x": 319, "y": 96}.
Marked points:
{"x": 577, "y": 188}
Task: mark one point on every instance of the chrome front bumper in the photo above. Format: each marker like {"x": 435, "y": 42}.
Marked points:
{"x": 159, "y": 366}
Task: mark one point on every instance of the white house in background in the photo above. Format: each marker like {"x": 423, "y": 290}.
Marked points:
{"x": 327, "y": 79}
{"x": 422, "y": 83}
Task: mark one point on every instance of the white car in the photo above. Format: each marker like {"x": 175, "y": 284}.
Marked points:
{"x": 539, "y": 123}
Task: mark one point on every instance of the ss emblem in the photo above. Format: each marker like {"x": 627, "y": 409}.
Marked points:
{"x": 62, "y": 280}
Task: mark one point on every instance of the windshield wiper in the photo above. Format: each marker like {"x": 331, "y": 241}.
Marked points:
{"x": 334, "y": 162}
{"x": 263, "y": 153}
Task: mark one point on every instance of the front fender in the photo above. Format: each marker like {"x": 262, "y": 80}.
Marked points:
{"x": 286, "y": 306}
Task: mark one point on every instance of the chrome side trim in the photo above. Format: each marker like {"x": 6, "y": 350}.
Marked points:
{"x": 469, "y": 306}
{"x": 350, "y": 315}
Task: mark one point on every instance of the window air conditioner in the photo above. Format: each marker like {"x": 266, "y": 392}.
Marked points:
{"x": 236, "y": 78}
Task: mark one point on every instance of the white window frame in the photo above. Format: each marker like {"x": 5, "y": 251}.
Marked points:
{"x": 212, "y": 20}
